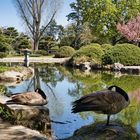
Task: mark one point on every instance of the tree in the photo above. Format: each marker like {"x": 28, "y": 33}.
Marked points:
{"x": 60, "y": 32}
{"x": 8, "y": 35}
{"x": 52, "y": 30}
{"x": 103, "y": 15}
{"x": 130, "y": 30}
{"x": 77, "y": 18}
{"x": 21, "y": 42}
{"x": 10, "y": 32}
{"x": 46, "y": 42}
{"x": 67, "y": 37}
{"x": 86, "y": 36}
{"x": 33, "y": 12}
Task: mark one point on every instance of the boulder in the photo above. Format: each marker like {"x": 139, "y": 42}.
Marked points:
{"x": 34, "y": 117}
{"x": 99, "y": 131}
{"x": 18, "y": 132}
{"x": 16, "y": 76}
{"x": 86, "y": 66}
{"x": 131, "y": 69}
{"x": 118, "y": 66}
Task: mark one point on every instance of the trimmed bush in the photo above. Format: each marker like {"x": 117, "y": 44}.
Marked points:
{"x": 106, "y": 47}
{"x": 89, "y": 53}
{"x": 126, "y": 54}
{"x": 55, "y": 48}
{"x": 65, "y": 51}
{"x": 38, "y": 53}
{"x": 2, "y": 54}
{"x": 92, "y": 44}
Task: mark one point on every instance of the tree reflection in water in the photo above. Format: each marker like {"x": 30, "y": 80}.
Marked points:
{"x": 63, "y": 86}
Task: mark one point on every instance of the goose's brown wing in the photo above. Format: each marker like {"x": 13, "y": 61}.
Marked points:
{"x": 105, "y": 101}
{"x": 28, "y": 97}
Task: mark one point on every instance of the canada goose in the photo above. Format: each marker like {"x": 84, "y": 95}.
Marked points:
{"x": 36, "y": 98}
{"x": 109, "y": 101}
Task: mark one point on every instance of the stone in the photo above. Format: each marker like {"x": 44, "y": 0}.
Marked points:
{"x": 18, "y": 132}
{"x": 34, "y": 117}
{"x": 86, "y": 66}
{"x": 99, "y": 131}
{"x": 131, "y": 69}
{"x": 118, "y": 66}
{"x": 16, "y": 76}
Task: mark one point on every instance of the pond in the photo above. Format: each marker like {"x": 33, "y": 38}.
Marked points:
{"x": 63, "y": 86}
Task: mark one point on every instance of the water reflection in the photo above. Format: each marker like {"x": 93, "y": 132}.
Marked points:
{"x": 62, "y": 86}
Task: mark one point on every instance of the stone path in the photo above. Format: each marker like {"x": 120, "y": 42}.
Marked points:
{"x": 35, "y": 59}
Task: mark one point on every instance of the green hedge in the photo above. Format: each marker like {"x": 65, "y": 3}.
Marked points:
{"x": 2, "y": 54}
{"x": 65, "y": 51}
{"x": 38, "y": 53}
{"x": 89, "y": 53}
{"x": 126, "y": 54}
{"x": 106, "y": 47}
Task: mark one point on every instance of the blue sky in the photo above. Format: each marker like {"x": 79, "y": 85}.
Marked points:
{"x": 9, "y": 16}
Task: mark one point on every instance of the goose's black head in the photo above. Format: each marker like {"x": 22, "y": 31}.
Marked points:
{"x": 119, "y": 90}
{"x": 38, "y": 90}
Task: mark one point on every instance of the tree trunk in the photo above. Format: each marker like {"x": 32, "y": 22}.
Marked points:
{"x": 36, "y": 43}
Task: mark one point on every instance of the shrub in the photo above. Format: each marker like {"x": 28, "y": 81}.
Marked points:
{"x": 89, "y": 53}
{"x": 92, "y": 44}
{"x": 38, "y": 53}
{"x": 55, "y": 48}
{"x": 126, "y": 54}
{"x": 41, "y": 52}
{"x": 2, "y": 54}
{"x": 106, "y": 47}
{"x": 65, "y": 51}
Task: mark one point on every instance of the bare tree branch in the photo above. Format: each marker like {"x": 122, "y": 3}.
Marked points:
{"x": 29, "y": 6}
{"x": 24, "y": 16}
{"x": 32, "y": 13}
{"x": 41, "y": 33}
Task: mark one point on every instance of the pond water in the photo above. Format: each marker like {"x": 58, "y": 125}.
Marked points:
{"x": 63, "y": 86}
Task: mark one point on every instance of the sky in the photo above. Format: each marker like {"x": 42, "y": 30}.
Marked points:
{"x": 10, "y": 18}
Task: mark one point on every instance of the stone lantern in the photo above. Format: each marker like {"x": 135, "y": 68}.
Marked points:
{"x": 26, "y": 57}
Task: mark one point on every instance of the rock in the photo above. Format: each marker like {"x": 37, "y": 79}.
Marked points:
{"x": 11, "y": 76}
{"x": 96, "y": 66}
{"x": 99, "y": 131}
{"x": 131, "y": 69}
{"x": 118, "y": 66}
{"x": 18, "y": 132}
{"x": 85, "y": 66}
{"x": 34, "y": 117}
{"x": 16, "y": 76}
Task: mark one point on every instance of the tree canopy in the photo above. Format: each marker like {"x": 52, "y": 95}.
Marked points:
{"x": 130, "y": 30}
{"x": 103, "y": 15}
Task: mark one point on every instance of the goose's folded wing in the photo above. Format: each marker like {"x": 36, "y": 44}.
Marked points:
{"x": 101, "y": 101}
{"x": 26, "y": 97}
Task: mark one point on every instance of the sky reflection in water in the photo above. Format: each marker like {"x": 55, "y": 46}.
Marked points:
{"x": 63, "y": 86}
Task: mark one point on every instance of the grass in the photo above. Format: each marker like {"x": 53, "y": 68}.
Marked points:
{"x": 5, "y": 68}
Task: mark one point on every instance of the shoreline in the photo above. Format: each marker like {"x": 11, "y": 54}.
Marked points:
{"x": 84, "y": 66}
